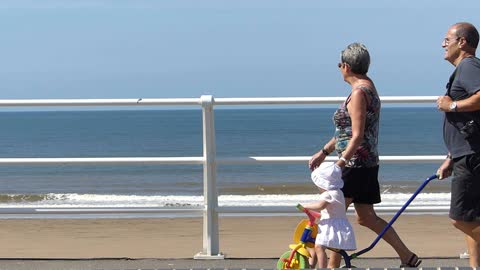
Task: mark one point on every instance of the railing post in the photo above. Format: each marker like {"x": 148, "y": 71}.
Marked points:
{"x": 210, "y": 196}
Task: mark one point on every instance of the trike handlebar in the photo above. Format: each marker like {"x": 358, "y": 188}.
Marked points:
{"x": 301, "y": 208}
{"x": 312, "y": 215}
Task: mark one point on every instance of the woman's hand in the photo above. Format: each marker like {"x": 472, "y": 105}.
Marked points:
{"x": 320, "y": 156}
{"x": 316, "y": 160}
{"x": 341, "y": 164}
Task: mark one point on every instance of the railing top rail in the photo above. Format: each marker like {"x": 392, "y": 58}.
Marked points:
{"x": 197, "y": 101}
{"x": 318, "y": 100}
{"x": 99, "y": 102}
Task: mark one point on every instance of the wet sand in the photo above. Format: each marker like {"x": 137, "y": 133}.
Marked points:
{"x": 240, "y": 237}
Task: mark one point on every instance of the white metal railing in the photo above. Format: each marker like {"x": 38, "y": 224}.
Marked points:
{"x": 198, "y": 101}
{"x": 209, "y": 160}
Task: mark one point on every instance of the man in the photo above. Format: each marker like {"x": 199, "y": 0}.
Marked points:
{"x": 461, "y": 132}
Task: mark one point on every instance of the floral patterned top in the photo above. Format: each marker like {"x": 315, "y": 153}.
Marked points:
{"x": 366, "y": 155}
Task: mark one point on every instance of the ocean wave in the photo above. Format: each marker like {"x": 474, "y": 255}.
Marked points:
{"x": 28, "y": 198}
{"x": 390, "y": 187}
{"x": 101, "y": 200}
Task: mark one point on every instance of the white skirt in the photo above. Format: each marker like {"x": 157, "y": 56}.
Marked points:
{"x": 336, "y": 233}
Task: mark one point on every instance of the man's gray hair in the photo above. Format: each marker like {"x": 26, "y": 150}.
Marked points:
{"x": 357, "y": 56}
{"x": 469, "y": 32}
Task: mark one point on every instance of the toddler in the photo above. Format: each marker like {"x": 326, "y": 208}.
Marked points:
{"x": 334, "y": 229}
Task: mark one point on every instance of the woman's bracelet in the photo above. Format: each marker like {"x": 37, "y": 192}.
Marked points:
{"x": 344, "y": 160}
{"x": 324, "y": 151}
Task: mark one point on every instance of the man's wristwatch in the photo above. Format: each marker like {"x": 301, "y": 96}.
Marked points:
{"x": 453, "y": 106}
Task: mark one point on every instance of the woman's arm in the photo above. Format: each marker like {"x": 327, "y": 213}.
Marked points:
{"x": 357, "y": 108}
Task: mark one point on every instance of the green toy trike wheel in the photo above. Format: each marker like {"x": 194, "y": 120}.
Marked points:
{"x": 298, "y": 261}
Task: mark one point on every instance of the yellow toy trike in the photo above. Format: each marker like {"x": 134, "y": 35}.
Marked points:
{"x": 304, "y": 236}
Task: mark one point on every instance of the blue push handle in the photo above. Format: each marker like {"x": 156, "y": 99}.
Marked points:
{"x": 425, "y": 183}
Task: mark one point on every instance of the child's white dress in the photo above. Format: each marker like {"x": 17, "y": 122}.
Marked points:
{"x": 334, "y": 229}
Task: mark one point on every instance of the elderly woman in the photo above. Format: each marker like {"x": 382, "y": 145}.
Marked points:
{"x": 355, "y": 141}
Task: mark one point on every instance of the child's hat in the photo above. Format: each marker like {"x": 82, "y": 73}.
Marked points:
{"x": 328, "y": 176}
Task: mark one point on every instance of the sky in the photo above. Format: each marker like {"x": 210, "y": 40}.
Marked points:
{"x": 248, "y": 48}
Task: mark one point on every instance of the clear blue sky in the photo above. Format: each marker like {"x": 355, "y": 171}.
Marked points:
{"x": 163, "y": 49}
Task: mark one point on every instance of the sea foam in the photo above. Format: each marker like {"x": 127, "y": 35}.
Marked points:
{"x": 390, "y": 200}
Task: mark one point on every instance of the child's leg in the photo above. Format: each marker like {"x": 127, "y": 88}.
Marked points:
{"x": 334, "y": 260}
{"x": 321, "y": 256}
{"x": 312, "y": 261}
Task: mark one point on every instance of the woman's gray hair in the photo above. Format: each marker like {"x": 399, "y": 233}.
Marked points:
{"x": 356, "y": 55}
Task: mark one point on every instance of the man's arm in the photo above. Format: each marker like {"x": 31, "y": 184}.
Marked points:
{"x": 465, "y": 105}
{"x": 469, "y": 104}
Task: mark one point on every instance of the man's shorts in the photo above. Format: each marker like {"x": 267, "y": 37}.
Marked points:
{"x": 361, "y": 184}
{"x": 465, "y": 196}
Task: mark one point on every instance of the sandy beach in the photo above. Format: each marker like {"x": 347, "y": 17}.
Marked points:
{"x": 240, "y": 237}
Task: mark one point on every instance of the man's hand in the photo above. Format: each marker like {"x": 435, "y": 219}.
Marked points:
{"x": 445, "y": 169}
{"x": 443, "y": 103}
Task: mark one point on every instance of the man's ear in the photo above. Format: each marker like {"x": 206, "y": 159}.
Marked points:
{"x": 462, "y": 42}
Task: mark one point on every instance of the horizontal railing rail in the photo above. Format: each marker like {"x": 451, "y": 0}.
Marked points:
{"x": 304, "y": 159}
{"x": 317, "y": 100}
{"x": 293, "y": 210}
{"x": 199, "y": 160}
{"x": 104, "y": 161}
{"x": 197, "y": 101}
{"x": 209, "y": 160}
{"x": 194, "y": 161}
{"x": 98, "y": 102}
{"x": 100, "y": 210}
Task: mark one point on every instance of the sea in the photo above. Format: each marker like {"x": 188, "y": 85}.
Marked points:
{"x": 178, "y": 133}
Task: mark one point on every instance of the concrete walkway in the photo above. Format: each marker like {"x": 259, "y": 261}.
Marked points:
{"x": 269, "y": 263}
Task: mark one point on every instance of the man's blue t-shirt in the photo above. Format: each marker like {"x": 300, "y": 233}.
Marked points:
{"x": 465, "y": 84}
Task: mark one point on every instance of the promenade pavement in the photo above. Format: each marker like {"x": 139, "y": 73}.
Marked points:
{"x": 240, "y": 263}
